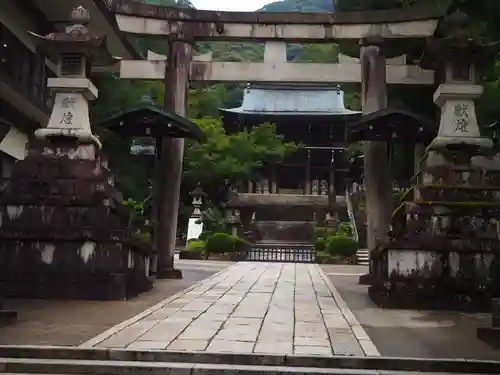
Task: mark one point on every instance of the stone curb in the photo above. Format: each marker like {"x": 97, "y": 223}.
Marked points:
{"x": 30, "y": 366}
{"x": 117, "y": 328}
{"x": 48, "y": 366}
{"x": 364, "y": 340}
{"x": 96, "y": 355}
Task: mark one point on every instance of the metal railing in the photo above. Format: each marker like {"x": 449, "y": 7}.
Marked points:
{"x": 282, "y": 253}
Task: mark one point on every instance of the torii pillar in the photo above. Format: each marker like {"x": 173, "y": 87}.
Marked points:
{"x": 377, "y": 169}
{"x": 171, "y": 153}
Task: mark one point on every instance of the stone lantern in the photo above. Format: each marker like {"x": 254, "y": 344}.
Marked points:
{"x": 70, "y": 236}
{"x": 233, "y": 219}
{"x": 457, "y": 56}
{"x": 198, "y": 194}
{"x": 195, "y": 226}
{"x": 75, "y": 51}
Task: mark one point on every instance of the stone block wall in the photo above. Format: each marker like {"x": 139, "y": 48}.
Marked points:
{"x": 63, "y": 230}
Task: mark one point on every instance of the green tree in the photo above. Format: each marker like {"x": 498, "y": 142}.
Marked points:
{"x": 231, "y": 157}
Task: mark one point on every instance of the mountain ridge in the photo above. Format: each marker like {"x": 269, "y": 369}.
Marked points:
{"x": 299, "y": 6}
{"x": 275, "y": 6}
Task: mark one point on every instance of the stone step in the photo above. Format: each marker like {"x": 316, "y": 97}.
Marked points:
{"x": 73, "y": 360}
{"x": 85, "y": 367}
{"x": 363, "y": 257}
{"x": 49, "y": 367}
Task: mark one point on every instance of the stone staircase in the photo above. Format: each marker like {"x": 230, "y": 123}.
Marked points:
{"x": 363, "y": 257}
{"x": 71, "y": 360}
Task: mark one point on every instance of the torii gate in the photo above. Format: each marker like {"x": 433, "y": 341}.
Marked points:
{"x": 184, "y": 27}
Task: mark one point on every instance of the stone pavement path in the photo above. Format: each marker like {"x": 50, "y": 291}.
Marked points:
{"x": 268, "y": 308}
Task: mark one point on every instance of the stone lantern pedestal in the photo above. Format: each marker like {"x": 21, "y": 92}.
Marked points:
{"x": 443, "y": 250}
{"x": 64, "y": 231}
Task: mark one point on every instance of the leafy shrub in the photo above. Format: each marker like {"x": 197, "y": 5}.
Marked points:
{"x": 320, "y": 232}
{"x": 220, "y": 243}
{"x": 345, "y": 229}
{"x": 240, "y": 244}
{"x": 142, "y": 236}
{"x": 319, "y": 244}
{"x": 341, "y": 245}
{"x": 196, "y": 246}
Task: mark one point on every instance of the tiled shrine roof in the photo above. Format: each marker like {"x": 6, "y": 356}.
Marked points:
{"x": 293, "y": 100}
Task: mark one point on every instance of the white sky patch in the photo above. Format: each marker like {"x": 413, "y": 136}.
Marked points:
{"x": 231, "y": 5}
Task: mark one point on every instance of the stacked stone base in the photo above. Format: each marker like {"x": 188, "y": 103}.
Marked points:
{"x": 73, "y": 270}
{"x": 64, "y": 232}
{"x": 6, "y": 316}
{"x": 443, "y": 252}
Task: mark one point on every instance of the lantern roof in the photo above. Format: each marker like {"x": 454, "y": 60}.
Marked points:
{"x": 198, "y": 192}
{"x": 76, "y": 39}
{"x": 146, "y": 119}
{"x": 392, "y": 124}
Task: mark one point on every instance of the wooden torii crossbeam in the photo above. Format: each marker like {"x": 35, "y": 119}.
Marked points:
{"x": 275, "y": 69}
{"x": 293, "y": 27}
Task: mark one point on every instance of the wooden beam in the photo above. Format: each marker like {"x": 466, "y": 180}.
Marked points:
{"x": 275, "y": 72}
{"x": 149, "y": 20}
{"x": 291, "y": 33}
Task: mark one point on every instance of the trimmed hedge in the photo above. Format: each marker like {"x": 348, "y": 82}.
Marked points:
{"x": 320, "y": 232}
{"x": 320, "y": 244}
{"x": 222, "y": 243}
{"x": 341, "y": 245}
{"x": 196, "y": 246}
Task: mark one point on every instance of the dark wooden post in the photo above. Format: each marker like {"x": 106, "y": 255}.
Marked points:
{"x": 307, "y": 186}
{"x": 170, "y": 165}
{"x": 331, "y": 176}
{"x": 377, "y": 173}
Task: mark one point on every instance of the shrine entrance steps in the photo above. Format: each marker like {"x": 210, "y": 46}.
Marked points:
{"x": 279, "y": 251}
{"x": 67, "y": 360}
{"x": 363, "y": 256}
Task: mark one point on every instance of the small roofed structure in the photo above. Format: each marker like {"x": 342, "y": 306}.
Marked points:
{"x": 392, "y": 124}
{"x": 147, "y": 120}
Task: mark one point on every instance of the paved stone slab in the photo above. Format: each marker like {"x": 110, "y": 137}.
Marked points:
{"x": 267, "y": 308}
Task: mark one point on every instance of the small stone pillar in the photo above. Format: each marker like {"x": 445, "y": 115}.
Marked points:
{"x": 274, "y": 179}
{"x": 315, "y": 187}
{"x": 323, "y": 187}
{"x": 233, "y": 220}
{"x": 258, "y": 187}
{"x": 265, "y": 186}
{"x": 64, "y": 231}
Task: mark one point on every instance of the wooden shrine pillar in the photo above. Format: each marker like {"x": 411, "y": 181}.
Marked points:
{"x": 169, "y": 170}
{"x": 307, "y": 185}
{"x": 331, "y": 176}
{"x": 274, "y": 179}
{"x": 377, "y": 171}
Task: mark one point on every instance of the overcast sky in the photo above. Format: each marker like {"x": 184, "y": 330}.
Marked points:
{"x": 234, "y": 5}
